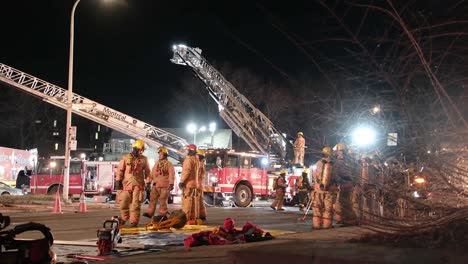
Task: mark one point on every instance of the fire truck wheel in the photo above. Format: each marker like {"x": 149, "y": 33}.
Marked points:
{"x": 54, "y": 189}
{"x": 243, "y": 196}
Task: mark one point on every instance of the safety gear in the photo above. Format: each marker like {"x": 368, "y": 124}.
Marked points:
{"x": 340, "y": 146}
{"x": 200, "y": 152}
{"x": 163, "y": 150}
{"x": 139, "y": 144}
{"x": 163, "y": 173}
{"x": 326, "y": 150}
{"x": 118, "y": 185}
{"x": 305, "y": 171}
{"x": 299, "y": 150}
{"x": 300, "y": 133}
{"x": 192, "y": 147}
{"x": 283, "y": 172}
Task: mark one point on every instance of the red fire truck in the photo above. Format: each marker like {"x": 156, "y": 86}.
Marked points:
{"x": 88, "y": 177}
{"x": 239, "y": 175}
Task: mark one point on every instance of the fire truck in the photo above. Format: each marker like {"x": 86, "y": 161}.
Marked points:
{"x": 241, "y": 175}
{"x": 83, "y": 174}
{"x": 88, "y": 177}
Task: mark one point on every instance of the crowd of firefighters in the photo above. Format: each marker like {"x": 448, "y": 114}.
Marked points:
{"x": 344, "y": 188}
{"x": 134, "y": 176}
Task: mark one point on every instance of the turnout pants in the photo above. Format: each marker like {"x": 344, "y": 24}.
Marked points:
{"x": 193, "y": 204}
{"x": 130, "y": 204}
{"x": 299, "y": 155}
{"x": 278, "y": 202}
{"x": 322, "y": 207}
{"x": 161, "y": 194}
{"x": 303, "y": 199}
{"x": 343, "y": 206}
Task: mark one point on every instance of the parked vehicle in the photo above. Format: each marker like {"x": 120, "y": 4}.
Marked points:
{"x": 6, "y": 189}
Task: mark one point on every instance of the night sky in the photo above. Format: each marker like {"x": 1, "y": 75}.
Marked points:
{"x": 122, "y": 48}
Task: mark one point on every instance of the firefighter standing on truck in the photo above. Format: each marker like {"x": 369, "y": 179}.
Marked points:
{"x": 201, "y": 181}
{"x": 325, "y": 191}
{"x": 279, "y": 185}
{"x": 299, "y": 146}
{"x": 188, "y": 183}
{"x": 303, "y": 187}
{"x": 162, "y": 179}
{"x": 130, "y": 183}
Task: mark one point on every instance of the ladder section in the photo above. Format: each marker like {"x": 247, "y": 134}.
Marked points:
{"x": 94, "y": 111}
{"x": 242, "y": 116}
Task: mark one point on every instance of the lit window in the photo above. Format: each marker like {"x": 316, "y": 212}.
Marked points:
{"x": 55, "y": 123}
{"x": 96, "y": 136}
{"x": 98, "y": 128}
{"x": 56, "y": 146}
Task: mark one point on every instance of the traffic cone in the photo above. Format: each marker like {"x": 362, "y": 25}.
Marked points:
{"x": 82, "y": 203}
{"x": 57, "y": 204}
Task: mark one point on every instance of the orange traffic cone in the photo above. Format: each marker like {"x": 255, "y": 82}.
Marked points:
{"x": 57, "y": 204}
{"x": 82, "y": 203}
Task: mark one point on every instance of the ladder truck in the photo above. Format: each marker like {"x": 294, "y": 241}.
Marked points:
{"x": 249, "y": 123}
{"x": 93, "y": 111}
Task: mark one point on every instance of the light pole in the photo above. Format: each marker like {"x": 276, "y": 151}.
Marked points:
{"x": 66, "y": 173}
{"x": 212, "y": 129}
{"x": 192, "y": 129}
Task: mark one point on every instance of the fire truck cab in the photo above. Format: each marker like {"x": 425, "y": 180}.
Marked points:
{"x": 238, "y": 175}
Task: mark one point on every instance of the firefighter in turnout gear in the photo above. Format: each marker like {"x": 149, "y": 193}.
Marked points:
{"x": 189, "y": 184}
{"x": 343, "y": 170}
{"x": 299, "y": 148}
{"x": 279, "y": 185}
{"x": 201, "y": 181}
{"x": 130, "y": 183}
{"x": 325, "y": 190}
{"x": 162, "y": 179}
{"x": 303, "y": 187}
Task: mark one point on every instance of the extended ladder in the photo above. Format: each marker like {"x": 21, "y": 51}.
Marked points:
{"x": 245, "y": 119}
{"x": 94, "y": 111}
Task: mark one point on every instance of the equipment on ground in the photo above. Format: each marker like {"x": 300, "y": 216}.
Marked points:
{"x": 177, "y": 219}
{"x": 308, "y": 206}
{"x": 108, "y": 236}
{"x": 14, "y": 250}
{"x": 94, "y": 111}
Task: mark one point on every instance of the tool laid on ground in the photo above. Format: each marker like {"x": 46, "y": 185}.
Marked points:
{"x": 14, "y": 250}
{"x": 108, "y": 236}
{"x": 309, "y": 204}
{"x": 176, "y": 219}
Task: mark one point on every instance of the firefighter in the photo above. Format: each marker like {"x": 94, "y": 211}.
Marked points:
{"x": 325, "y": 191}
{"x": 162, "y": 179}
{"x": 188, "y": 183}
{"x": 130, "y": 183}
{"x": 343, "y": 170}
{"x": 280, "y": 187}
{"x": 201, "y": 183}
{"x": 299, "y": 146}
{"x": 303, "y": 187}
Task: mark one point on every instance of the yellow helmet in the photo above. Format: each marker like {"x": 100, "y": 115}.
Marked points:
{"x": 300, "y": 133}
{"x": 163, "y": 150}
{"x": 326, "y": 150}
{"x": 283, "y": 172}
{"x": 139, "y": 144}
{"x": 200, "y": 152}
{"x": 305, "y": 171}
{"x": 340, "y": 146}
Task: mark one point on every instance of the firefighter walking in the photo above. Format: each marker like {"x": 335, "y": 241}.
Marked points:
{"x": 201, "y": 185}
{"x": 299, "y": 148}
{"x": 162, "y": 179}
{"x": 325, "y": 191}
{"x": 303, "y": 187}
{"x": 130, "y": 183}
{"x": 279, "y": 185}
{"x": 189, "y": 183}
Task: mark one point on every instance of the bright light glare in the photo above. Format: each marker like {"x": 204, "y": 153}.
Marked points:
{"x": 264, "y": 161}
{"x": 376, "y": 109}
{"x": 52, "y": 164}
{"x": 202, "y": 129}
{"x": 101, "y": 158}
{"x": 364, "y": 136}
{"x": 212, "y": 127}
{"x": 191, "y": 128}
{"x": 151, "y": 162}
{"x": 83, "y": 156}
{"x": 419, "y": 180}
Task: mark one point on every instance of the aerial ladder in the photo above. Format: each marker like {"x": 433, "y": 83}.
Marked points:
{"x": 94, "y": 111}
{"x": 237, "y": 111}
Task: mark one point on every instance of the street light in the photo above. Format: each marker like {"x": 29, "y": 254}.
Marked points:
{"x": 83, "y": 156}
{"x": 212, "y": 129}
{"x": 364, "y": 136}
{"x": 192, "y": 129}
{"x": 376, "y": 109}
